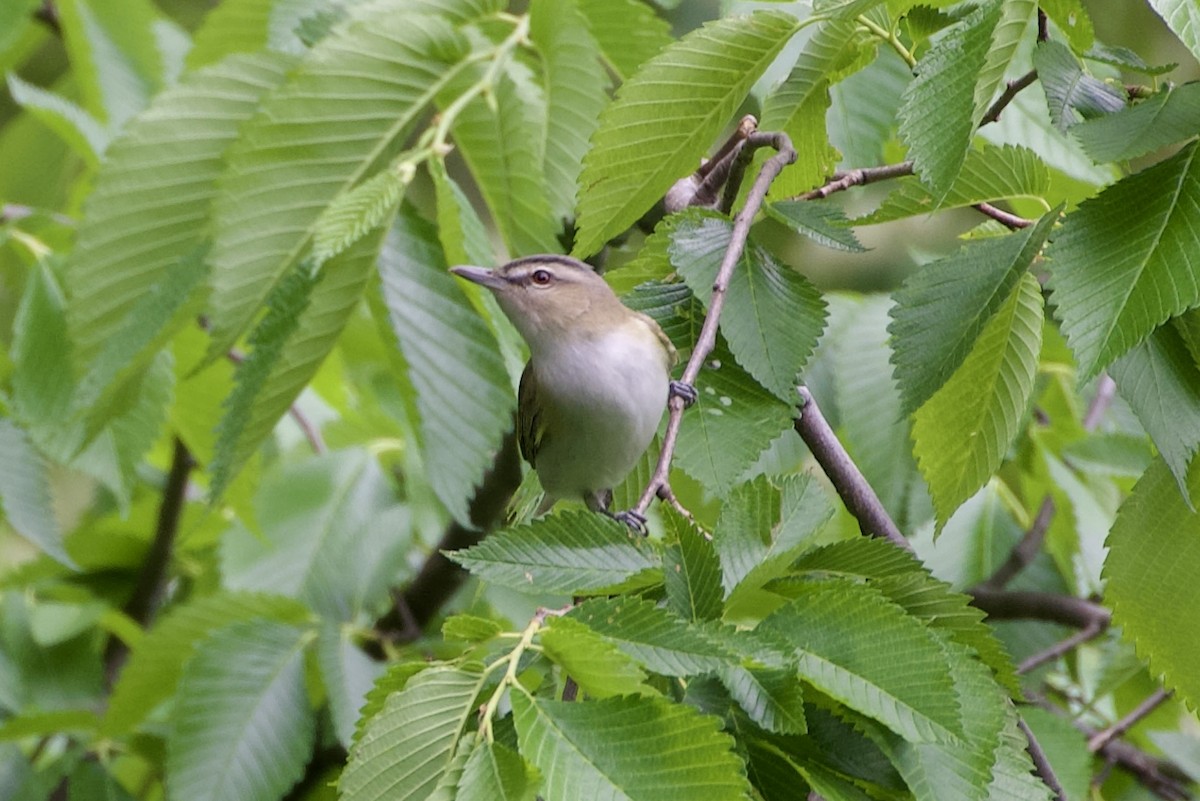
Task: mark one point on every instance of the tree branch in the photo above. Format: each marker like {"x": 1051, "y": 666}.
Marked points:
{"x": 659, "y": 484}
{"x": 1041, "y": 764}
{"x": 1048, "y": 606}
{"x": 47, "y": 14}
{"x": 1013, "y": 89}
{"x": 1088, "y": 632}
{"x": 859, "y": 177}
{"x": 152, "y": 581}
{"x": 852, "y": 487}
{"x": 1026, "y": 550}
{"x": 1103, "y": 738}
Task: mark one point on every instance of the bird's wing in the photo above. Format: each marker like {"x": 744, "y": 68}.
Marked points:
{"x": 529, "y": 418}
{"x": 672, "y": 354}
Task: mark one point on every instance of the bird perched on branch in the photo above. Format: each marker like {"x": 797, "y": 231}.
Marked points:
{"x": 597, "y": 381}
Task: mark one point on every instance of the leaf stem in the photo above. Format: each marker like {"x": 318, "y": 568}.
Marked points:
{"x": 512, "y": 660}
{"x": 890, "y": 38}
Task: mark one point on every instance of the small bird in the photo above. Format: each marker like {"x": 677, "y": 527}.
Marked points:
{"x": 597, "y": 381}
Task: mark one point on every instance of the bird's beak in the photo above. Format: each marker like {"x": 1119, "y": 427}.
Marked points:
{"x": 479, "y": 275}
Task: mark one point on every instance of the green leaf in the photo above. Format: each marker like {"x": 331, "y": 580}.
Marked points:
{"x": 463, "y": 394}
{"x": 988, "y": 174}
{"x": 600, "y": 748}
{"x": 156, "y": 662}
{"x": 628, "y": 31}
{"x": 1072, "y": 19}
{"x": 822, "y": 222}
{"x": 943, "y": 309}
{"x": 407, "y": 747}
{"x": 502, "y": 138}
{"x": 1070, "y": 92}
{"x": 958, "y": 75}
{"x": 798, "y": 106}
{"x": 772, "y": 317}
{"x": 961, "y": 434}
{"x": 242, "y": 726}
{"x": 1161, "y": 383}
{"x": 1146, "y": 230}
{"x": 462, "y": 234}
{"x": 332, "y": 536}
{"x": 1166, "y": 117}
{"x": 575, "y": 86}
{"x": 1153, "y": 553}
{"x": 496, "y": 773}
{"x": 25, "y": 493}
{"x": 1183, "y": 18}
{"x": 666, "y": 117}
{"x": 469, "y": 628}
{"x": 657, "y": 638}
{"x": 691, "y": 570}
{"x": 859, "y": 648}
{"x": 250, "y": 26}
{"x": 348, "y": 675}
{"x": 83, "y": 132}
{"x": 1126, "y": 59}
{"x": 149, "y": 211}
{"x": 576, "y": 552}
{"x": 600, "y": 668}
{"x": 356, "y": 212}
{"x": 771, "y": 697}
{"x": 352, "y": 103}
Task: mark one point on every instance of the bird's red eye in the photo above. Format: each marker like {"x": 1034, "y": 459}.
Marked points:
{"x": 541, "y": 277}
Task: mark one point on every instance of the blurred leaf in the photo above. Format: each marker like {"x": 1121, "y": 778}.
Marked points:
{"x": 1066, "y": 749}
{"x": 25, "y": 493}
{"x": 497, "y": 773}
{"x": 348, "y": 674}
{"x": 1072, "y": 19}
{"x": 411, "y": 742}
{"x": 576, "y": 552}
{"x": 628, "y": 31}
{"x": 691, "y": 570}
{"x": 249, "y": 26}
{"x": 863, "y": 111}
{"x": 943, "y": 309}
{"x": 599, "y": 749}
{"x": 962, "y": 433}
{"x": 1071, "y": 92}
{"x": 1183, "y": 18}
{"x": 822, "y": 222}
{"x": 1164, "y": 118}
{"x": 470, "y": 628}
{"x": 1113, "y": 284}
{"x": 463, "y": 392}
{"x": 242, "y": 727}
{"x": 1157, "y": 534}
{"x": 16, "y": 18}
{"x": 1126, "y": 59}
{"x": 86, "y": 135}
{"x": 667, "y": 116}
{"x": 600, "y": 668}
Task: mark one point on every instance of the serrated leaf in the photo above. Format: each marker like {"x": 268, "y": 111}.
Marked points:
{"x": 502, "y": 139}
{"x": 1161, "y": 383}
{"x": 355, "y": 99}
{"x": 691, "y": 570}
{"x": 25, "y": 493}
{"x": 453, "y": 361}
{"x": 156, "y": 662}
{"x": 1146, "y": 229}
{"x": 470, "y": 628}
{"x": 407, "y": 747}
{"x": 1183, "y": 18}
{"x": 348, "y": 675}
{"x": 1072, "y": 19}
{"x": 988, "y": 174}
{"x": 391, "y": 682}
{"x": 600, "y": 668}
{"x": 598, "y": 750}
{"x": 1071, "y": 93}
{"x": 959, "y": 74}
{"x": 577, "y": 553}
{"x": 83, "y": 132}
{"x": 854, "y": 645}
{"x": 242, "y": 727}
{"x": 961, "y": 434}
{"x": 822, "y": 222}
{"x": 772, "y": 316}
{"x": 148, "y": 211}
{"x": 1157, "y": 535}
{"x": 1126, "y": 59}
{"x": 628, "y": 31}
{"x": 1166, "y": 117}
{"x": 943, "y": 308}
{"x": 575, "y": 86}
{"x": 657, "y": 638}
{"x": 771, "y": 697}
{"x": 667, "y": 116}
{"x": 356, "y": 212}
{"x": 494, "y": 772}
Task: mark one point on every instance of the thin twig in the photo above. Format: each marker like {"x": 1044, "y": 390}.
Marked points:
{"x": 1041, "y": 764}
{"x": 1106, "y": 388}
{"x": 1048, "y": 606}
{"x": 1005, "y": 218}
{"x": 851, "y": 486}
{"x": 1013, "y": 88}
{"x": 1026, "y": 549}
{"x": 312, "y": 434}
{"x": 771, "y": 168}
{"x": 1088, "y": 632}
{"x": 152, "y": 581}
{"x": 859, "y": 177}
{"x": 1103, "y": 738}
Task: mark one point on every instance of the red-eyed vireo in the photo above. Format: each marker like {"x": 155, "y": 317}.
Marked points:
{"x": 598, "y": 377}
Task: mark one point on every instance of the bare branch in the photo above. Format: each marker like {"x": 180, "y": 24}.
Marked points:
{"x": 1048, "y": 606}
{"x": 859, "y": 177}
{"x": 1041, "y": 764}
{"x": 1103, "y": 738}
{"x": 1005, "y": 218}
{"x": 1089, "y": 632}
{"x": 1026, "y": 550}
{"x": 1013, "y": 88}
{"x": 1106, "y": 388}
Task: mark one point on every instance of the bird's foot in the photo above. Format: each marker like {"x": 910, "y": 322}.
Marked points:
{"x": 681, "y": 389}
{"x": 632, "y": 518}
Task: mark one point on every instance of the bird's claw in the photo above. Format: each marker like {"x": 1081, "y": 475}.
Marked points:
{"x": 632, "y": 518}
{"x": 681, "y": 389}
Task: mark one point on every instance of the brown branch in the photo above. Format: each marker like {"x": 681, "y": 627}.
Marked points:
{"x": 1106, "y": 388}
{"x": 659, "y": 484}
{"x": 1005, "y": 218}
{"x": 859, "y": 177}
{"x": 47, "y": 14}
{"x": 1103, "y": 738}
{"x": 1088, "y": 632}
{"x": 1041, "y": 764}
{"x": 1026, "y": 550}
{"x": 851, "y": 486}
{"x": 1013, "y": 88}
{"x": 152, "y": 581}
{"x": 1048, "y": 606}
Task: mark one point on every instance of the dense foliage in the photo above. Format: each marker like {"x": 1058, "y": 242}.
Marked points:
{"x": 253, "y": 432}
